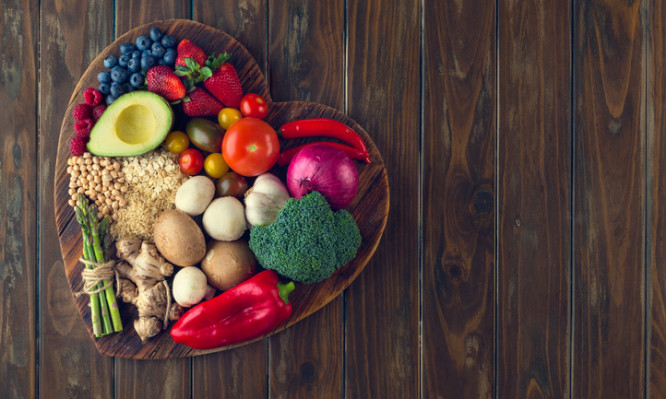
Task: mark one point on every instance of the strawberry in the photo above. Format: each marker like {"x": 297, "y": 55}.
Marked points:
{"x": 224, "y": 83}
{"x": 187, "y": 49}
{"x": 200, "y": 103}
{"x": 162, "y": 80}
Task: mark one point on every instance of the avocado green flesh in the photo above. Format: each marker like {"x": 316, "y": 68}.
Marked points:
{"x": 133, "y": 124}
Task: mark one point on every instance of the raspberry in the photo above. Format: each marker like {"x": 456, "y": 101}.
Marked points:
{"x": 92, "y": 96}
{"x": 83, "y": 128}
{"x": 82, "y": 111}
{"x": 77, "y": 146}
{"x": 97, "y": 111}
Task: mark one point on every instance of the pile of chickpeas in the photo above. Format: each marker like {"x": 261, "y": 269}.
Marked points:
{"x": 100, "y": 179}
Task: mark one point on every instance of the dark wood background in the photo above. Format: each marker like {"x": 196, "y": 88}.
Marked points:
{"x": 523, "y": 252}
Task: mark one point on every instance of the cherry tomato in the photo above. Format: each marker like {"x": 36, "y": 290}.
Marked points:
{"x": 250, "y": 147}
{"x": 215, "y": 166}
{"x": 204, "y": 134}
{"x": 176, "y": 142}
{"x": 191, "y": 161}
{"x": 254, "y": 106}
{"x": 228, "y": 116}
{"x": 231, "y": 184}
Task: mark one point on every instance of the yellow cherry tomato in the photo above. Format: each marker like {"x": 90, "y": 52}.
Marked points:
{"x": 228, "y": 116}
{"x": 215, "y": 166}
{"x": 176, "y": 142}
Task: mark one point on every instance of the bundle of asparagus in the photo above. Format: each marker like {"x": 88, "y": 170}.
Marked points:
{"x": 103, "y": 305}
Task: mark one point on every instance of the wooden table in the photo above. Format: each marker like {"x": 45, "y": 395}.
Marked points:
{"x": 523, "y": 251}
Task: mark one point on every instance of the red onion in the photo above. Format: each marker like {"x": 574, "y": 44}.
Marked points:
{"x": 326, "y": 169}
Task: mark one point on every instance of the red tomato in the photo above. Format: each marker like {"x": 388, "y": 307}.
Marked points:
{"x": 250, "y": 147}
{"x": 191, "y": 161}
{"x": 253, "y": 106}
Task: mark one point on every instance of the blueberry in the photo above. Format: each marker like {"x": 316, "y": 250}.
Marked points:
{"x": 110, "y": 61}
{"x": 146, "y": 53}
{"x": 104, "y": 77}
{"x": 157, "y": 50}
{"x": 155, "y": 34}
{"x": 110, "y": 99}
{"x": 123, "y": 60}
{"x": 104, "y": 88}
{"x": 169, "y": 41}
{"x": 118, "y": 89}
{"x": 148, "y": 62}
{"x": 137, "y": 79}
{"x": 134, "y": 65}
{"x": 127, "y": 48}
{"x": 170, "y": 56}
{"x": 143, "y": 43}
{"x": 119, "y": 74}
{"x": 136, "y": 54}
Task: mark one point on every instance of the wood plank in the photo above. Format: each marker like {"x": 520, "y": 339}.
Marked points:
{"x": 534, "y": 193}
{"x": 306, "y": 360}
{"x": 18, "y": 199}
{"x": 164, "y": 378}
{"x": 382, "y": 306}
{"x": 656, "y": 123}
{"x": 458, "y": 198}
{"x": 240, "y": 372}
{"x": 609, "y": 187}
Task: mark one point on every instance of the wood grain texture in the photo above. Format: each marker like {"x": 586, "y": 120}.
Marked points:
{"x": 18, "y": 199}
{"x": 382, "y": 306}
{"x": 459, "y": 199}
{"x": 239, "y": 372}
{"x": 244, "y": 20}
{"x": 656, "y": 125}
{"x": 306, "y": 361}
{"x": 369, "y": 208}
{"x": 534, "y": 242}
{"x": 71, "y": 36}
{"x": 609, "y": 187}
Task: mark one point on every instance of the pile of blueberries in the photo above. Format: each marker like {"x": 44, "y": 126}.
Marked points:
{"x": 127, "y": 72}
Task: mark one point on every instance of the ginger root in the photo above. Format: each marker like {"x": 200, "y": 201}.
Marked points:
{"x": 142, "y": 272}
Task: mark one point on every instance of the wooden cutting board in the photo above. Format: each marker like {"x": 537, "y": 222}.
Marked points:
{"x": 369, "y": 208}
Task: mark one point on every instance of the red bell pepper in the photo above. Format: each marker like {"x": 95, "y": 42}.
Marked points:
{"x": 249, "y": 310}
{"x": 322, "y": 127}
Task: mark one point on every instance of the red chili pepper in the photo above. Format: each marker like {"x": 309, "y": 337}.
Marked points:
{"x": 322, "y": 127}
{"x": 249, "y": 310}
{"x": 359, "y": 155}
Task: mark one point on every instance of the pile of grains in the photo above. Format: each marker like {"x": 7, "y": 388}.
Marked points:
{"x": 151, "y": 182}
{"x": 100, "y": 179}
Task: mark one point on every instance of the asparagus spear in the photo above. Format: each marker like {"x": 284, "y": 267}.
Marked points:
{"x": 95, "y": 307}
{"x": 91, "y": 231}
{"x": 98, "y": 231}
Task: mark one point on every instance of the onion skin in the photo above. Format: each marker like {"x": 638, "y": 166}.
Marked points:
{"x": 329, "y": 170}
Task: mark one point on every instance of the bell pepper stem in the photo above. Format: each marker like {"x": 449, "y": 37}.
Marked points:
{"x": 284, "y": 289}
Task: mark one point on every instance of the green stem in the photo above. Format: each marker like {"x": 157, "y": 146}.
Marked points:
{"x": 110, "y": 304}
{"x": 95, "y": 307}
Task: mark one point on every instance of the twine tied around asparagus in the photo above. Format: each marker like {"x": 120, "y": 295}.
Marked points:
{"x": 93, "y": 277}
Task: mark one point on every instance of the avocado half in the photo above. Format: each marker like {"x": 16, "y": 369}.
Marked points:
{"x": 133, "y": 124}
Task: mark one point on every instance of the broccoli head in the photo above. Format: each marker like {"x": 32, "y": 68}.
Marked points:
{"x": 308, "y": 241}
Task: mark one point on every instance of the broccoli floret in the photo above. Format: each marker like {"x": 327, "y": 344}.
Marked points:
{"x": 308, "y": 241}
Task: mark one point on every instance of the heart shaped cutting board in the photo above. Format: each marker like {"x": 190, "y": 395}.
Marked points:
{"x": 369, "y": 208}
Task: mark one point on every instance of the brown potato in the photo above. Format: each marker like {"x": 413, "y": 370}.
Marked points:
{"x": 179, "y": 239}
{"x": 228, "y": 263}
